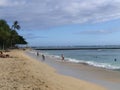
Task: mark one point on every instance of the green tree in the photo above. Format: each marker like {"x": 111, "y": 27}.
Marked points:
{"x": 14, "y": 37}
{"x": 4, "y": 33}
{"x": 21, "y": 40}
{"x": 10, "y": 37}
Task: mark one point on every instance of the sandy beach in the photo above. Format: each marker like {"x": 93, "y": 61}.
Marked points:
{"x": 22, "y": 72}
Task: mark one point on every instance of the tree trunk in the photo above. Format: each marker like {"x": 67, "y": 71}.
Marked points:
{"x": 3, "y": 46}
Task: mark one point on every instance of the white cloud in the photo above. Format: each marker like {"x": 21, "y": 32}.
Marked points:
{"x": 48, "y": 13}
{"x": 10, "y": 3}
{"x": 3, "y": 2}
{"x": 96, "y": 32}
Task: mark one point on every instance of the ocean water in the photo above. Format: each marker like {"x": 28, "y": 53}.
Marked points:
{"x": 104, "y": 58}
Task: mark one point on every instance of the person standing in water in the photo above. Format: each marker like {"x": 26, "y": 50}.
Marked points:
{"x": 62, "y": 56}
{"x": 115, "y": 59}
{"x": 43, "y": 57}
{"x": 37, "y": 53}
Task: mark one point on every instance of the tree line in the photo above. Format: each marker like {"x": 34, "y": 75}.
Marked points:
{"x": 9, "y": 36}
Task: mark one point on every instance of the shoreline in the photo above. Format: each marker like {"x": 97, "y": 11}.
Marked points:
{"x": 23, "y": 72}
{"x": 95, "y": 60}
{"x": 107, "y": 78}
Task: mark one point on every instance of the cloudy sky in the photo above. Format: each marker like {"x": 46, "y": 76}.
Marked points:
{"x": 65, "y": 22}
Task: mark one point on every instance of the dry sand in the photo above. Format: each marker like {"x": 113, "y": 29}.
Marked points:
{"x": 24, "y": 73}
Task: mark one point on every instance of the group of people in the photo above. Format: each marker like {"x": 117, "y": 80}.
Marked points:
{"x": 43, "y": 56}
{"x": 3, "y": 55}
{"x": 62, "y": 57}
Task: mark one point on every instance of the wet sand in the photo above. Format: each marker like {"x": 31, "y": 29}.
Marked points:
{"x": 22, "y": 72}
{"x": 107, "y": 78}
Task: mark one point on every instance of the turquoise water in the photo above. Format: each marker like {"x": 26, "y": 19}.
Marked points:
{"x": 105, "y": 58}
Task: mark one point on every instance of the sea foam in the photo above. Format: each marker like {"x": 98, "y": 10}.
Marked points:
{"x": 93, "y": 63}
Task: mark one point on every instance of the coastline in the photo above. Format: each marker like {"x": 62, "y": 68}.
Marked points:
{"x": 22, "y": 72}
{"x": 110, "y": 79}
{"x": 108, "y": 59}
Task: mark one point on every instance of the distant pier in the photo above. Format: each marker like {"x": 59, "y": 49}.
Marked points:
{"x": 91, "y": 48}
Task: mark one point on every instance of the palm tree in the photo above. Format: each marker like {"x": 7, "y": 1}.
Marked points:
{"x": 15, "y": 26}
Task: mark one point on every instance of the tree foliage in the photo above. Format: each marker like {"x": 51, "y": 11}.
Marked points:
{"x": 9, "y": 36}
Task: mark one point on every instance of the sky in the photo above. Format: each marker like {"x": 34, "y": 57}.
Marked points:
{"x": 65, "y": 22}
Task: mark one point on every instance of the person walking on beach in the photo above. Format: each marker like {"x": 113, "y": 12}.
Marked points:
{"x": 62, "y": 56}
{"x": 43, "y": 57}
